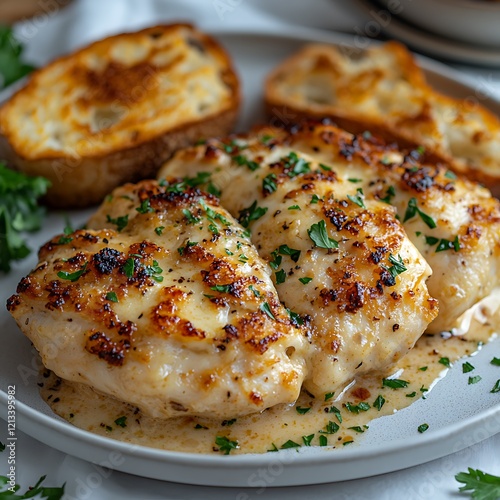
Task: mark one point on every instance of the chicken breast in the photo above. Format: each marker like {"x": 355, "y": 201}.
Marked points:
{"x": 163, "y": 303}
{"x": 454, "y": 223}
{"x": 342, "y": 262}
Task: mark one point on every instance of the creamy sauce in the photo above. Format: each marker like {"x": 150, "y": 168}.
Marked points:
{"x": 282, "y": 425}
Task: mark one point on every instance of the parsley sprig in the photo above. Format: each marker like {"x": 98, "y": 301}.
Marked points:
{"x": 12, "y": 67}
{"x": 19, "y": 212}
{"x": 37, "y": 491}
{"x": 482, "y": 486}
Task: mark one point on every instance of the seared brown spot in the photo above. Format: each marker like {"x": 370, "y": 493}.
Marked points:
{"x": 360, "y": 393}
{"x": 112, "y": 352}
{"x": 256, "y": 398}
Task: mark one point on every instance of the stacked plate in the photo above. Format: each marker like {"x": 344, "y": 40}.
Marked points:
{"x": 465, "y": 31}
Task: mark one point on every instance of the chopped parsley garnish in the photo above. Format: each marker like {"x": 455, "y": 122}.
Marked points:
{"x": 422, "y": 428}
{"x": 242, "y": 258}
{"x": 394, "y": 383}
{"x": 307, "y": 439}
{"x": 358, "y": 199}
{"x": 323, "y": 440}
{"x": 357, "y": 429}
{"x": 228, "y": 423}
{"x": 188, "y": 244}
{"x": 450, "y": 175}
{"x": 411, "y": 394}
{"x": 37, "y": 491}
{"x": 495, "y": 361}
{"x": 389, "y": 195}
{"x": 292, "y": 252}
{"x": 296, "y": 165}
{"x": 413, "y": 210}
{"x": 481, "y": 486}
{"x": 445, "y": 362}
{"x": 302, "y": 410}
{"x": 324, "y": 167}
{"x": 190, "y": 217}
{"x": 269, "y": 183}
{"x": 243, "y": 160}
{"x": 72, "y": 276}
{"x": 319, "y": 236}
{"x": 266, "y": 138}
{"x": 267, "y": 309}
{"x": 145, "y": 207}
{"x": 226, "y": 445}
{"x": 354, "y": 180}
{"x": 129, "y": 267}
{"x": 290, "y": 444}
{"x": 379, "y": 402}
{"x": 423, "y": 368}
{"x": 305, "y": 280}
{"x": 329, "y": 395}
{"x": 330, "y": 428}
{"x": 254, "y": 291}
{"x": 294, "y": 207}
{"x": 159, "y": 230}
{"x": 120, "y": 222}
{"x": 467, "y": 367}
{"x": 199, "y": 426}
{"x": 221, "y": 288}
{"x": 12, "y": 66}
{"x": 357, "y": 408}
{"x": 336, "y": 412}
{"x": 112, "y": 297}
{"x": 443, "y": 244}
{"x": 251, "y": 213}
{"x": 155, "y": 271}
{"x": 233, "y": 147}
{"x": 397, "y": 267}
{"x": 314, "y": 199}
{"x": 280, "y": 276}
{"x": 274, "y": 448}
{"x": 475, "y": 380}
{"x": 496, "y": 387}
{"x": 345, "y": 443}
{"x": 121, "y": 421}
{"x": 295, "y": 318}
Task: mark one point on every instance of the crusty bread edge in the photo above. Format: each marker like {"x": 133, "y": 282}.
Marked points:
{"x": 80, "y": 182}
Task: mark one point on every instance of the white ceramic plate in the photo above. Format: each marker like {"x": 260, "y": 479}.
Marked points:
{"x": 459, "y": 415}
{"x": 433, "y": 44}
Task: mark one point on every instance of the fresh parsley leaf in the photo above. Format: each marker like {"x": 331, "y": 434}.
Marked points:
{"x": 323, "y": 440}
{"x": 357, "y": 429}
{"x": 280, "y": 276}
{"x": 290, "y": 444}
{"x": 307, "y": 439}
{"x": 336, "y": 412}
{"x": 495, "y": 361}
{"x": 422, "y": 428}
{"x": 267, "y": 309}
{"x": 496, "y": 387}
{"x": 475, "y": 380}
{"x": 324, "y": 167}
{"x": 329, "y": 395}
{"x": 292, "y": 252}
{"x": 319, "y": 236}
{"x": 444, "y": 245}
{"x": 397, "y": 267}
{"x": 330, "y": 428}
{"x": 357, "y": 408}
{"x": 243, "y": 160}
{"x": 19, "y": 212}
{"x": 251, "y": 213}
{"x": 482, "y": 486}
{"x": 295, "y": 318}
{"x": 129, "y": 267}
{"x": 394, "y": 383}
{"x": 389, "y": 195}
{"x": 254, "y": 291}
{"x": 314, "y": 199}
{"x": 12, "y": 67}
{"x": 37, "y": 491}
{"x": 302, "y": 410}
{"x": 413, "y": 210}
{"x": 269, "y": 184}
{"x": 379, "y": 402}
{"x": 221, "y": 288}
{"x": 145, "y": 207}
{"x": 159, "y": 230}
{"x": 120, "y": 222}
{"x": 305, "y": 280}
{"x": 112, "y": 297}
{"x": 121, "y": 421}
{"x": 445, "y": 362}
{"x": 358, "y": 199}
{"x": 72, "y": 276}
{"x": 411, "y": 394}
{"x": 467, "y": 367}
{"x": 295, "y": 165}
{"x": 190, "y": 217}
{"x": 226, "y": 445}
{"x": 294, "y": 207}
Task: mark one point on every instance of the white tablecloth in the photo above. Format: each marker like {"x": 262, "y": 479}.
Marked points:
{"x": 54, "y": 33}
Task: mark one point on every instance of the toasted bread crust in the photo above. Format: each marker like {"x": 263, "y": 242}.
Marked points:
{"x": 119, "y": 108}
{"x": 385, "y": 92}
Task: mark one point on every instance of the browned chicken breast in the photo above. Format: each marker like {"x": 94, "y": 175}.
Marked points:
{"x": 165, "y": 304}
{"x": 342, "y": 261}
{"x": 454, "y": 223}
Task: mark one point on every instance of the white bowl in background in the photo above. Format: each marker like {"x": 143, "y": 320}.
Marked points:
{"x": 472, "y": 21}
